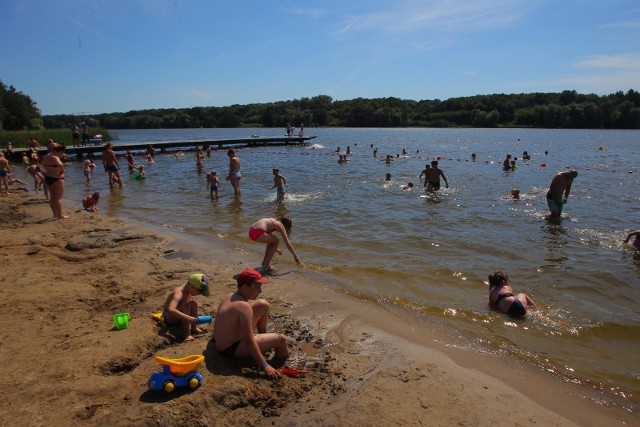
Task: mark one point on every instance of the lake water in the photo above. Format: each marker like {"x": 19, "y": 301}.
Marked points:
{"x": 432, "y": 254}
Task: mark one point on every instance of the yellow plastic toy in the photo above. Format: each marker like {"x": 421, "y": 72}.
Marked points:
{"x": 158, "y": 318}
{"x": 177, "y": 373}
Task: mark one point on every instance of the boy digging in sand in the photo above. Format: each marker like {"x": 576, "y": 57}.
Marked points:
{"x": 180, "y": 308}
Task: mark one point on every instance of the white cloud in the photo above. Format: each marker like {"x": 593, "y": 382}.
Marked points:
{"x": 452, "y": 15}
{"x": 620, "y": 61}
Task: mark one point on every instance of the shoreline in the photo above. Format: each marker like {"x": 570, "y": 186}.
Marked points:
{"x": 363, "y": 357}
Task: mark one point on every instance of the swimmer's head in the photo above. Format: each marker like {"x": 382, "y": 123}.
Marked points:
{"x": 515, "y": 192}
{"x": 434, "y": 163}
{"x": 498, "y": 278}
{"x": 87, "y": 162}
{"x": 141, "y": 168}
{"x": 508, "y": 155}
{"x": 572, "y": 174}
{"x": 410, "y": 185}
{"x": 276, "y": 171}
{"x": 214, "y": 173}
{"x": 231, "y": 152}
{"x": 96, "y": 195}
{"x": 287, "y": 223}
{"x": 388, "y": 177}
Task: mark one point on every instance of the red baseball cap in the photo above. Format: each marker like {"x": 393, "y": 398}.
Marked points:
{"x": 248, "y": 276}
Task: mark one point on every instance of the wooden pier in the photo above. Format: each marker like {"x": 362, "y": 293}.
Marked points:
{"x": 91, "y": 150}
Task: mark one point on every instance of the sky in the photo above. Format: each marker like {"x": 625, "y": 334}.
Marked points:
{"x": 103, "y": 56}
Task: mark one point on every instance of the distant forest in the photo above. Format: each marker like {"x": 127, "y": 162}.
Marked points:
{"x": 567, "y": 109}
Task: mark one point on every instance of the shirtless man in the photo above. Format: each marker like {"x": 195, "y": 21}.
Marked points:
{"x": 180, "y": 308}
{"x": 433, "y": 177}
{"x": 4, "y": 172}
{"x": 560, "y": 186}
{"x": 234, "y": 171}
{"x": 636, "y": 242}
{"x": 111, "y": 165}
{"x": 236, "y": 320}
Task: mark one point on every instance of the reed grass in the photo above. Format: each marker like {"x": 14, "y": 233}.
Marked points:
{"x": 61, "y": 136}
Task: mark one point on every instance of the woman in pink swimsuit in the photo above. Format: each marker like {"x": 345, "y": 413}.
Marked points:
{"x": 261, "y": 231}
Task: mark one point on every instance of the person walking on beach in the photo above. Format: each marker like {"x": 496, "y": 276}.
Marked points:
{"x": 180, "y": 308}
{"x": 559, "y": 191}
{"x": 111, "y": 165}
{"x": 234, "y": 175}
{"x": 4, "y": 171}
{"x": 502, "y": 297}
{"x": 279, "y": 182}
{"x": 261, "y": 231}
{"x": 236, "y": 319}
{"x": 53, "y": 169}
{"x": 433, "y": 176}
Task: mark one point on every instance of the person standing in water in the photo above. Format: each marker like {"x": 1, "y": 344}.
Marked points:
{"x": 234, "y": 171}
{"x": 433, "y": 176}
{"x": 261, "y": 231}
{"x": 559, "y": 191}
{"x": 279, "y": 182}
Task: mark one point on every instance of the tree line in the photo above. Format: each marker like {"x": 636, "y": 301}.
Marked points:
{"x": 567, "y": 109}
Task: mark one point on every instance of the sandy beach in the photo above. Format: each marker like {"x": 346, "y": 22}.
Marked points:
{"x": 368, "y": 364}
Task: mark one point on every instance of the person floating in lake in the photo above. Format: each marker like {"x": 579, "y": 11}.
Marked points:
{"x": 473, "y": 157}
{"x": 433, "y": 176}
{"x": 236, "y": 319}
{"x": 280, "y": 183}
{"x": 559, "y": 191}
{"x": 90, "y": 203}
{"x": 424, "y": 173}
{"x": 526, "y": 156}
{"x": 387, "y": 177}
{"x": 515, "y": 193}
{"x": 140, "y": 172}
{"x": 513, "y": 165}
{"x": 408, "y": 187}
{"x": 502, "y": 297}
{"x": 261, "y": 231}
{"x": 213, "y": 183}
{"x": 348, "y": 150}
{"x": 636, "y": 241}
{"x": 181, "y": 309}
{"x": 375, "y": 152}
{"x": 234, "y": 175}
{"x": 342, "y": 158}
{"x": 388, "y": 159}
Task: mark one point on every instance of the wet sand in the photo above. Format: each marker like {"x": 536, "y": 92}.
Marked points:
{"x": 368, "y": 364}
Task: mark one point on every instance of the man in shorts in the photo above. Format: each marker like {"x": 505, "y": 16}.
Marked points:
{"x": 433, "y": 177}
{"x": 111, "y": 165}
{"x": 236, "y": 320}
{"x": 560, "y": 186}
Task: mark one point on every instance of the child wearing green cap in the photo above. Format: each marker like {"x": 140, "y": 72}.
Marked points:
{"x": 180, "y": 308}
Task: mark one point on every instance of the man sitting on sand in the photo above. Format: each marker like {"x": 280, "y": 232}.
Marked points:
{"x": 237, "y": 318}
{"x": 180, "y": 308}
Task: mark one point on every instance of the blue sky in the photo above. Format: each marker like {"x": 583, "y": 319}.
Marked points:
{"x": 121, "y": 55}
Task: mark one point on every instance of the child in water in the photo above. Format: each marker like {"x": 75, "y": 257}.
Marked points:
{"x": 90, "y": 203}
{"x": 515, "y": 193}
{"x": 409, "y": 186}
{"x": 636, "y": 242}
{"x": 213, "y": 183}
{"x": 279, "y": 182}
{"x": 88, "y": 169}
{"x": 501, "y": 296}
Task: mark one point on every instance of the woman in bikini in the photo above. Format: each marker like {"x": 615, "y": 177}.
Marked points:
{"x": 54, "y": 179}
{"x": 261, "y": 231}
{"x": 502, "y": 297}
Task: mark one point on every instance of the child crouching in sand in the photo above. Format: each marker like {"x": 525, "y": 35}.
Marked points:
{"x": 180, "y": 308}
{"x": 90, "y": 203}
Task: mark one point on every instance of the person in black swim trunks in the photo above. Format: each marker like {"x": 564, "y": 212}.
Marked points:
{"x": 433, "y": 176}
{"x": 502, "y": 297}
{"x": 236, "y": 319}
